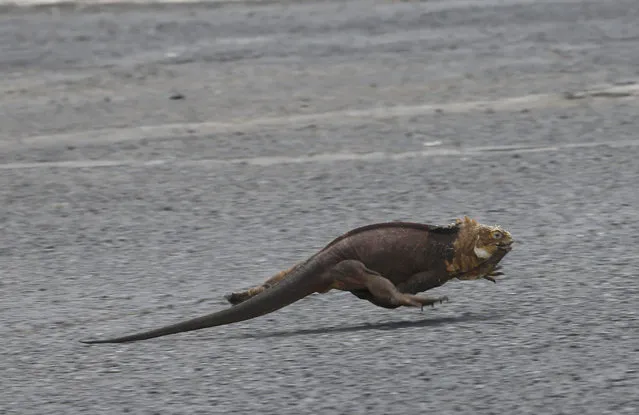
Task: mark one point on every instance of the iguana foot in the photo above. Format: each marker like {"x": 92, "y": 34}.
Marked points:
{"x": 420, "y": 301}
{"x": 241, "y": 296}
{"x": 494, "y": 273}
{"x": 237, "y": 297}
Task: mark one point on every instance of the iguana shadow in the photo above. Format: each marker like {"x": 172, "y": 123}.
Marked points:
{"x": 392, "y": 325}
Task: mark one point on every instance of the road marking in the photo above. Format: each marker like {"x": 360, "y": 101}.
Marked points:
{"x": 431, "y": 6}
{"x": 181, "y": 130}
{"x": 487, "y": 151}
{"x": 435, "y": 6}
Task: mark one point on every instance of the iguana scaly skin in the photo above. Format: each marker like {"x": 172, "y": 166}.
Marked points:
{"x": 384, "y": 263}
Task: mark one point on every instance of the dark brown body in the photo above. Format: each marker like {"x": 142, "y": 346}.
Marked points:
{"x": 412, "y": 256}
{"x": 396, "y": 250}
{"x": 385, "y": 263}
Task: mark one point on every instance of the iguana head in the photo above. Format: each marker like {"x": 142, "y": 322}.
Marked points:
{"x": 478, "y": 249}
{"x": 490, "y": 239}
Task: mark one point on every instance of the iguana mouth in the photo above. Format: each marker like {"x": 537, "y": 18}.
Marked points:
{"x": 505, "y": 246}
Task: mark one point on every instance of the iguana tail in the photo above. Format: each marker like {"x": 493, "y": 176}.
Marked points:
{"x": 306, "y": 279}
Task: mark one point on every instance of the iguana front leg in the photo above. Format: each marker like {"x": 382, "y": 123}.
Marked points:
{"x": 494, "y": 273}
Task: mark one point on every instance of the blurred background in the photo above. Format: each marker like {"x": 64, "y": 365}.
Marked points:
{"x": 155, "y": 156}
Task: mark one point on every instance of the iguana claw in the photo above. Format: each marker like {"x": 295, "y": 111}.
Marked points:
{"x": 494, "y": 273}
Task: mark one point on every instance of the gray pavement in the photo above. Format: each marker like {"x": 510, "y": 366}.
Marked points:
{"x": 155, "y": 158}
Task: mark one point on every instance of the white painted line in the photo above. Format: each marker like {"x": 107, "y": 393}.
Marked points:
{"x": 180, "y": 130}
{"x": 490, "y": 151}
{"x": 432, "y": 5}
{"x": 432, "y": 143}
{"x": 80, "y": 3}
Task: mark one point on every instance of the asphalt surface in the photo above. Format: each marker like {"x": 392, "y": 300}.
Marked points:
{"x": 153, "y": 159}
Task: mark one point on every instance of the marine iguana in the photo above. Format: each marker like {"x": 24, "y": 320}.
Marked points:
{"x": 385, "y": 263}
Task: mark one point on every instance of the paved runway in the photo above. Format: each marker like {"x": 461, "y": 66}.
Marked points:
{"x": 155, "y": 158}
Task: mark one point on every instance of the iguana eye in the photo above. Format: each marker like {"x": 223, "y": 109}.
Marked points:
{"x": 497, "y": 235}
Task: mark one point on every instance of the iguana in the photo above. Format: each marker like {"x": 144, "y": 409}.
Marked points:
{"x": 385, "y": 263}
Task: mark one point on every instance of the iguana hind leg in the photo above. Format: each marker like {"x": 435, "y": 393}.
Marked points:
{"x": 351, "y": 275}
{"x": 240, "y": 296}
{"x": 419, "y": 282}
